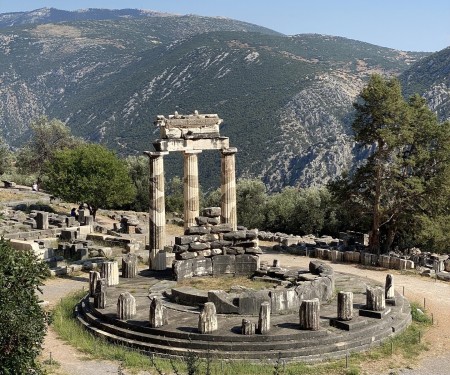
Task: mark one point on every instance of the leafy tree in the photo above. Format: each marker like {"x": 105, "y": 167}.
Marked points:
{"x": 301, "y": 211}
{"x": 251, "y": 200}
{"x": 5, "y": 157}
{"x": 408, "y": 162}
{"x": 139, "y": 170}
{"x": 48, "y": 136}
{"x": 23, "y": 324}
{"x": 90, "y": 174}
{"x": 174, "y": 195}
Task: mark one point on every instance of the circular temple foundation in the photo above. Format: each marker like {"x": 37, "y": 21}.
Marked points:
{"x": 234, "y": 339}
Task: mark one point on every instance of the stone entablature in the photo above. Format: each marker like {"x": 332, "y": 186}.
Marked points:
{"x": 189, "y": 126}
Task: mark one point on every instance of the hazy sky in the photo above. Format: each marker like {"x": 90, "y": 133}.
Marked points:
{"x": 410, "y": 25}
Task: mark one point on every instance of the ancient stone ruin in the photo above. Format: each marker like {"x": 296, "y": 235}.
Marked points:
{"x": 297, "y": 316}
{"x": 190, "y": 134}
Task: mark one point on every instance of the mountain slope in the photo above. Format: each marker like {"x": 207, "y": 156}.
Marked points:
{"x": 430, "y": 78}
{"x": 286, "y": 101}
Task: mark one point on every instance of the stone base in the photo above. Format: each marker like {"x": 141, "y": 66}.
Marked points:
{"x": 348, "y": 325}
{"x": 391, "y": 301}
{"x": 374, "y": 314}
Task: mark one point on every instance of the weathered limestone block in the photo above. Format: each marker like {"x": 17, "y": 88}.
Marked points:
{"x": 212, "y": 211}
{"x": 223, "y": 302}
{"x": 337, "y": 256}
{"x": 246, "y": 264}
{"x": 385, "y": 261}
{"x": 247, "y": 327}
{"x": 157, "y": 315}
{"x": 283, "y": 300}
{"x": 81, "y": 214}
{"x": 310, "y": 314}
{"x": 182, "y": 269}
{"x": 207, "y": 319}
{"x": 389, "y": 286}
{"x": 438, "y": 265}
{"x": 202, "y": 267}
{"x": 42, "y": 220}
{"x": 394, "y": 263}
{"x": 345, "y": 306}
{"x": 126, "y": 306}
{"x": 110, "y": 272}
{"x": 100, "y": 294}
{"x": 348, "y": 256}
{"x": 264, "y": 318}
{"x": 223, "y": 264}
{"x": 88, "y": 220}
{"x": 250, "y": 301}
{"x": 129, "y": 266}
{"x": 93, "y": 277}
{"x": 375, "y": 300}
{"x": 447, "y": 265}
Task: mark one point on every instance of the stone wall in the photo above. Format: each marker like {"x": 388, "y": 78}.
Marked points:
{"x": 213, "y": 249}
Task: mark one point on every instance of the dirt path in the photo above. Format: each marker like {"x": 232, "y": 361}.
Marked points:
{"x": 436, "y": 361}
{"x": 72, "y": 362}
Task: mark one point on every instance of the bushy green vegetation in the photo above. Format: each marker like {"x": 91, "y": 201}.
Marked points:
{"x": 89, "y": 174}
{"x": 23, "y": 321}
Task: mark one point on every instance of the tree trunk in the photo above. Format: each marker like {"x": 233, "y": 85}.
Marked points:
{"x": 374, "y": 239}
{"x": 391, "y": 231}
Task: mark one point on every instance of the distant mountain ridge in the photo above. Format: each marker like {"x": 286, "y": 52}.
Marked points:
{"x": 286, "y": 101}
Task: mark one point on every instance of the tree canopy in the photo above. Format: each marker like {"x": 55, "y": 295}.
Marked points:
{"x": 91, "y": 174}
{"x": 47, "y": 137}
{"x": 23, "y": 322}
{"x": 407, "y": 167}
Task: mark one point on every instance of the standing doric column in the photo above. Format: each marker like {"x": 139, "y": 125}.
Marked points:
{"x": 264, "y": 318}
{"x": 389, "y": 287}
{"x": 110, "y": 272}
{"x": 157, "y": 220}
{"x": 228, "y": 187}
{"x": 310, "y": 314}
{"x": 345, "y": 306}
{"x": 190, "y": 192}
{"x": 375, "y": 300}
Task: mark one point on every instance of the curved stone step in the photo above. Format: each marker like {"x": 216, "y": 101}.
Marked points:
{"x": 291, "y": 349}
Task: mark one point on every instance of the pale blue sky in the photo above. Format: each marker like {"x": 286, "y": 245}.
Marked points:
{"x": 411, "y": 25}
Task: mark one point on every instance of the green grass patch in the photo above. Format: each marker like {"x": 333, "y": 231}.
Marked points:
{"x": 407, "y": 344}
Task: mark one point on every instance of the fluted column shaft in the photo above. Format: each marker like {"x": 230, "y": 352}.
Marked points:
{"x": 228, "y": 187}
{"x": 191, "y": 192}
{"x": 157, "y": 221}
{"x": 389, "y": 286}
{"x": 345, "y": 306}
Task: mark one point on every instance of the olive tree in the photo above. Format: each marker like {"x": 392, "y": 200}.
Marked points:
{"x": 91, "y": 174}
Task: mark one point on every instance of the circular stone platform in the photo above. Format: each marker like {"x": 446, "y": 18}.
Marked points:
{"x": 285, "y": 340}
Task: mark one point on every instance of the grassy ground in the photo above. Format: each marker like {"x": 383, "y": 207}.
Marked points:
{"x": 393, "y": 353}
{"x": 222, "y": 283}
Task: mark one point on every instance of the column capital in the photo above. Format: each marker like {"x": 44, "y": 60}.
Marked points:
{"x": 229, "y": 151}
{"x": 192, "y": 151}
{"x": 155, "y": 154}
